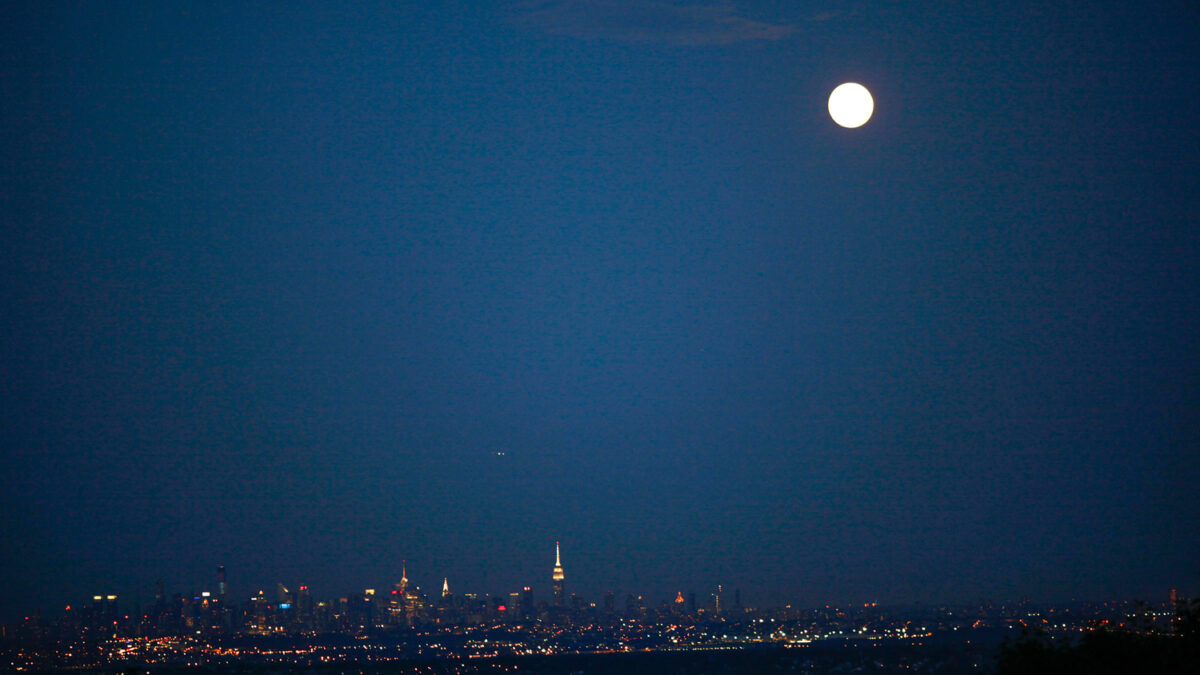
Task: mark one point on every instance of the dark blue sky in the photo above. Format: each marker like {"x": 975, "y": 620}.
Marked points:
{"x": 279, "y": 280}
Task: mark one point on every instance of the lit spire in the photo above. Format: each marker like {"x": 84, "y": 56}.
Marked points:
{"x": 403, "y": 574}
{"x": 445, "y": 587}
{"x": 558, "y": 568}
{"x": 558, "y": 576}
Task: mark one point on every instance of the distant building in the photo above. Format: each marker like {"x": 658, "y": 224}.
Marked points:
{"x": 396, "y": 602}
{"x": 514, "y": 606}
{"x": 305, "y": 608}
{"x": 558, "y": 578}
{"x": 407, "y": 605}
{"x": 527, "y": 607}
{"x": 104, "y": 611}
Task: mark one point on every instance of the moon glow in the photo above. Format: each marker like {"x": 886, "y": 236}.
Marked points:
{"x": 851, "y": 105}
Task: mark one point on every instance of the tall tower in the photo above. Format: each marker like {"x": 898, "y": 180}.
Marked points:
{"x": 397, "y": 608}
{"x": 558, "y": 577}
{"x": 446, "y": 587}
{"x": 221, "y": 587}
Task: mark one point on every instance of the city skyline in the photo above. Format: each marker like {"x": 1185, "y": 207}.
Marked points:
{"x": 556, "y": 595}
{"x": 407, "y": 628}
{"x": 553, "y": 597}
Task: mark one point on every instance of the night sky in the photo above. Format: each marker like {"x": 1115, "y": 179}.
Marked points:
{"x": 280, "y": 281}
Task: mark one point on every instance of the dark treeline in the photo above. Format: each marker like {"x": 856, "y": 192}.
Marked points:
{"x": 1106, "y": 651}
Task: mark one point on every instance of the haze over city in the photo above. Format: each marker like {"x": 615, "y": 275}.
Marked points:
{"x": 318, "y": 293}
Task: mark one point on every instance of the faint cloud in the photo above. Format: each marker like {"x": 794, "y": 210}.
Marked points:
{"x": 825, "y": 16}
{"x": 651, "y": 21}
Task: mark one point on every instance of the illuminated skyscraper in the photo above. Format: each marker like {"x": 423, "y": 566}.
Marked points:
{"x": 446, "y": 587}
{"x": 396, "y": 608}
{"x": 407, "y": 603}
{"x": 221, "y": 587}
{"x": 558, "y": 577}
{"x": 282, "y": 594}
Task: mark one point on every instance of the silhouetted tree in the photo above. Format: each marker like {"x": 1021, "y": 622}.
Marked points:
{"x": 1104, "y": 651}
{"x": 1187, "y": 619}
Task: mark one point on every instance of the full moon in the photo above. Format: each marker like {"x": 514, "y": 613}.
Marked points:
{"x": 850, "y": 105}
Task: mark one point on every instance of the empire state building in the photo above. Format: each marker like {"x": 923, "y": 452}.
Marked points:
{"x": 558, "y": 577}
